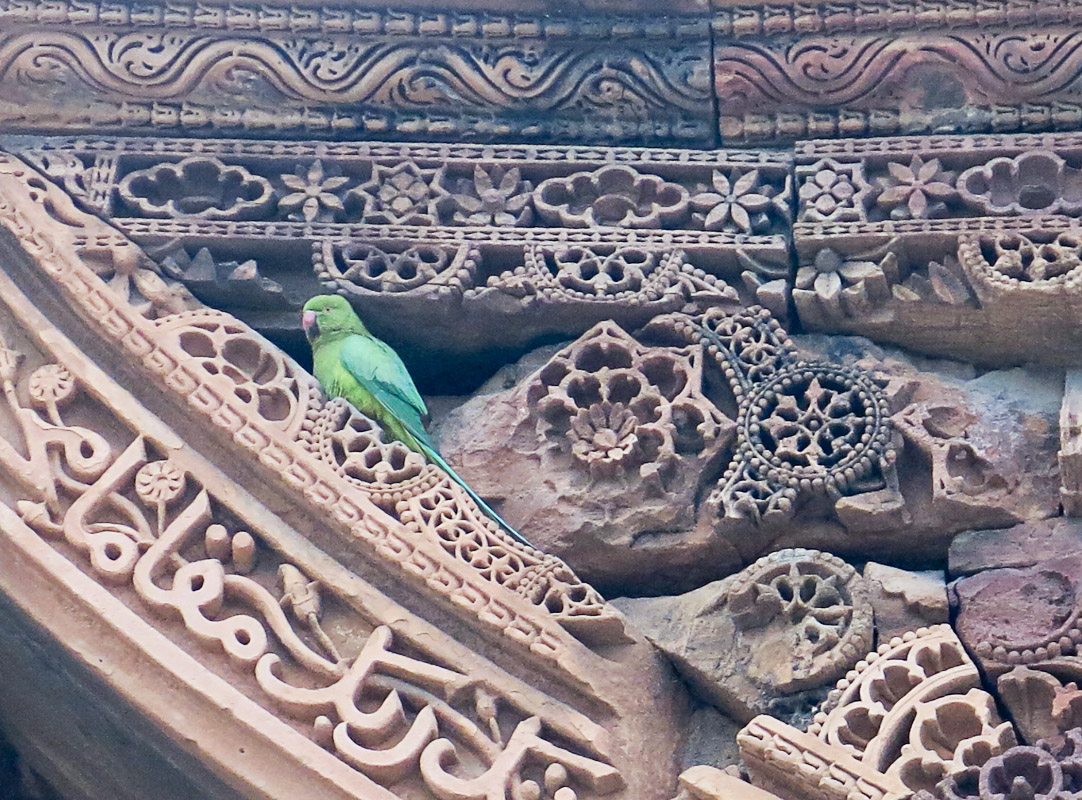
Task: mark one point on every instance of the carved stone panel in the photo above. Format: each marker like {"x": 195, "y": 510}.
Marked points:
{"x": 967, "y": 247}
{"x": 342, "y": 71}
{"x": 701, "y": 439}
{"x": 791, "y": 71}
{"x": 770, "y": 639}
{"x": 909, "y": 716}
{"x": 202, "y": 511}
{"x": 460, "y": 239}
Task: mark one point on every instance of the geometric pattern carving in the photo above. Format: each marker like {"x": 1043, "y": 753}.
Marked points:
{"x": 915, "y": 710}
{"x": 802, "y": 428}
{"x": 1044, "y": 771}
{"x": 822, "y": 602}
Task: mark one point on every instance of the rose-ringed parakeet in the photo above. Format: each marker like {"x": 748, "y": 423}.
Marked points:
{"x": 351, "y": 363}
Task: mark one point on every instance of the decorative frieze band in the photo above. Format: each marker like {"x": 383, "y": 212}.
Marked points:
{"x": 582, "y": 234}
{"x": 217, "y": 70}
{"x": 967, "y": 246}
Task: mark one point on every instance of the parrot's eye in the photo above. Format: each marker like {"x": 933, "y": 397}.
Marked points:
{"x": 327, "y": 309}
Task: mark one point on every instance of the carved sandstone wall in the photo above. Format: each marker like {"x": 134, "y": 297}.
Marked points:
{"x": 237, "y": 588}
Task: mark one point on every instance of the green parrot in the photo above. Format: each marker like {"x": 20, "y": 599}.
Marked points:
{"x": 351, "y": 363}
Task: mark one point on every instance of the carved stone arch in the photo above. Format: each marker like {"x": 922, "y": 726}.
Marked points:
{"x": 169, "y": 474}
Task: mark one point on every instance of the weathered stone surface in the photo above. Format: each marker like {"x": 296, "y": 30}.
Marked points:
{"x": 903, "y": 600}
{"x": 1047, "y": 770}
{"x": 1020, "y": 616}
{"x": 711, "y": 740}
{"x": 193, "y": 540}
{"x": 1021, "y": 545}
{"x": 909, "y": 714}
{"x": 707, "y": 783}
{"x": 768, "y": 640}
{"x": 977, "y": 451}
{"x": 1041, "y": 705}
{"x": 972, "y": 452}
{"x": 629, "y": 525}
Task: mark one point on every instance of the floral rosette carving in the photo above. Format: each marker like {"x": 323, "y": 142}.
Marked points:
{"x": 831, "y": 191}
{"x": 822, "y": 604}
{"x": 809, "y": 428}
{"x": 1045, "y": 771}
{"x": 493, "y": 196}
{"x": 400, "y": 194}
{"x": 613, "y": 196}
{"x": 833, "y": 288}
{"x": 741, "y": 203}
{"x": 312, "y": 194}
{"x": 918, "y": 190}
{"x": 617, "y": 406}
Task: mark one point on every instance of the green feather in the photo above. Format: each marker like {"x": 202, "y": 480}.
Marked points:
{"x": 351, "y": 363}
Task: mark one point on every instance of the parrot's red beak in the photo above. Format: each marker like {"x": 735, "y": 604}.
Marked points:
{"x": 309, "y": 324}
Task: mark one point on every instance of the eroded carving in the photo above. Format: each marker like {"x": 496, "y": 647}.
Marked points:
{"x": 858, "y": 70}
{"x": 1044, "y": 771}
{"x": 704, "y": 421}
{"x": 908, "y": 717}
{"x": 769, "y": 639}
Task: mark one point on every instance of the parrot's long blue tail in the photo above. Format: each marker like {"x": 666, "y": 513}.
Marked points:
{"x": 437, "y": 459}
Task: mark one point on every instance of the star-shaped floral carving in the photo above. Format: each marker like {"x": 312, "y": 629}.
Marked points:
{"x": 917, "y": 191}
{"x": 496, "y": 197}
{"x": 805, "y": 428}
{"x": 313, "y": 193}
{"x": 732, "y": 203}
{"x": 403, "y": 194}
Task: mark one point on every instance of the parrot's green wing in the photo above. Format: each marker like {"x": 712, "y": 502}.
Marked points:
{"x": 379, "y": 370}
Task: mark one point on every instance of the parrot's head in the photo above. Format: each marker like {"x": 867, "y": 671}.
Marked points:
{"x": 328, "y": 314}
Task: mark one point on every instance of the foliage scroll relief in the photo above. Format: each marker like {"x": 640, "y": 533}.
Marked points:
{"x": 701, "y": 75}
{"x": 238, "y": 69}
{"x": 786, "y": 72}
{"x": 193, "y": 553}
